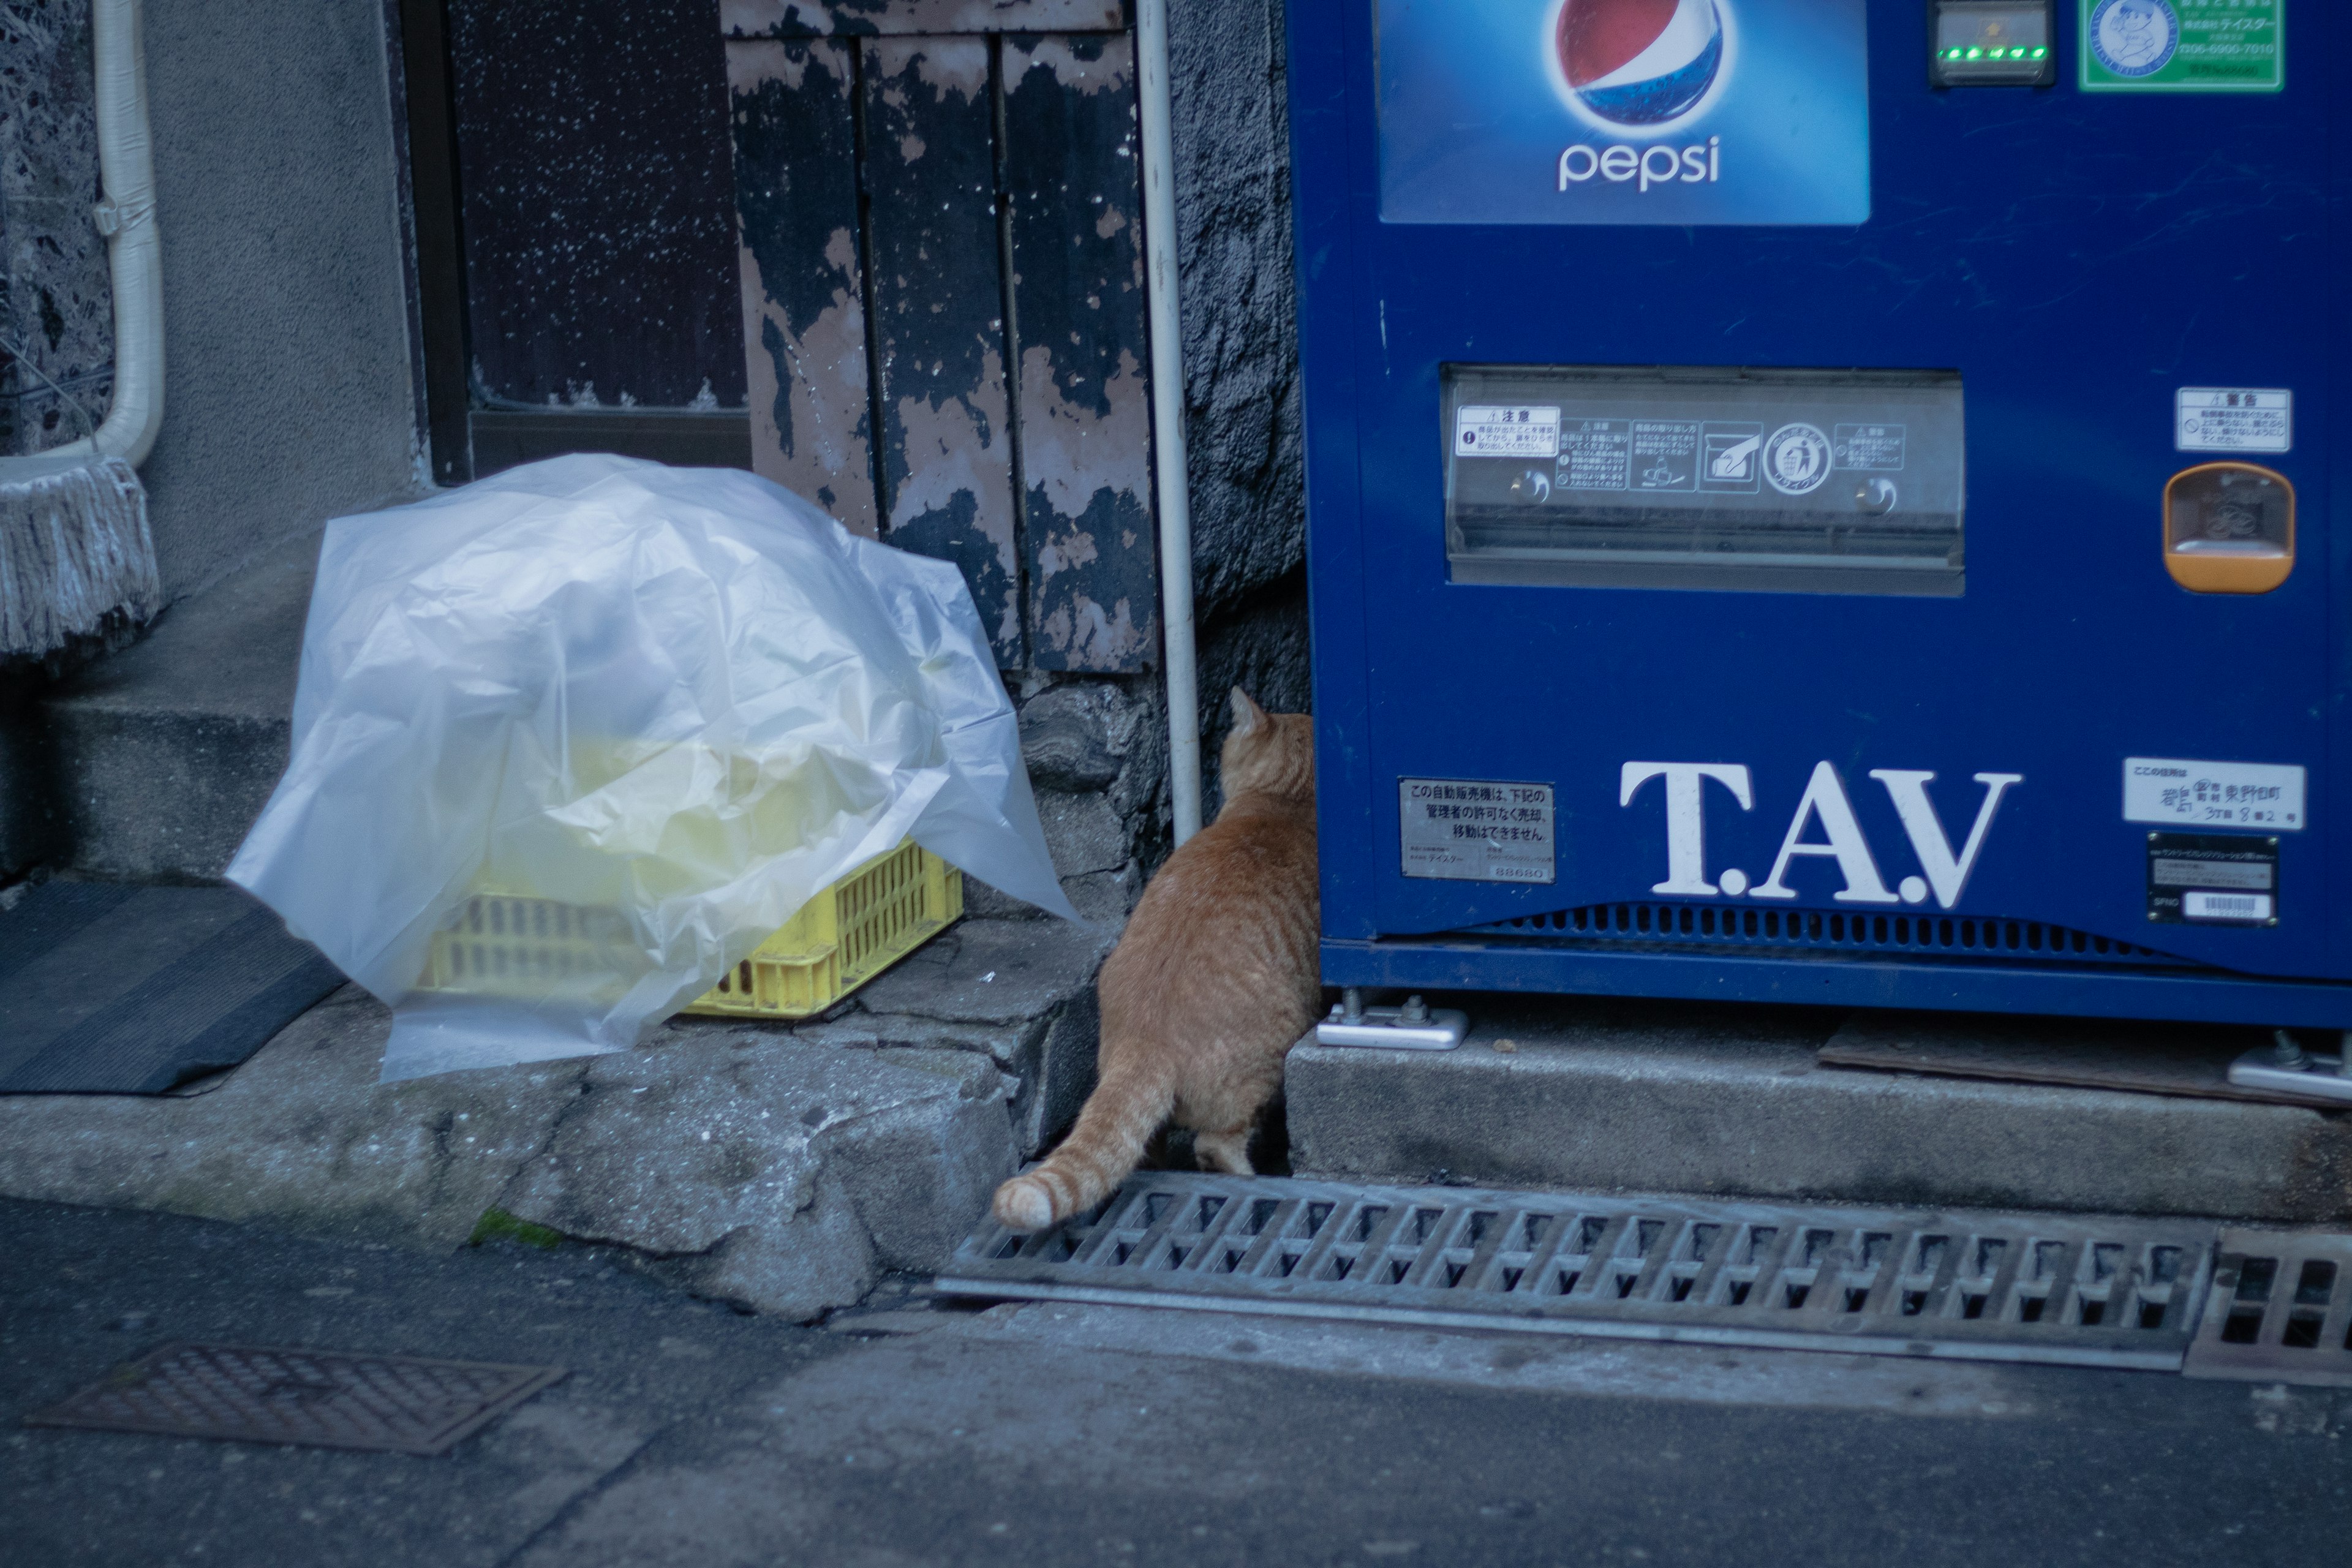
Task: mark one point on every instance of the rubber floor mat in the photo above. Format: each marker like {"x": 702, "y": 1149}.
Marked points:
{"x": 115, "y": 990}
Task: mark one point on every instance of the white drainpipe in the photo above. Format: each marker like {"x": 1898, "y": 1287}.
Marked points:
{"x": 1168, "y": 418}
{"x": 126, "y": 162}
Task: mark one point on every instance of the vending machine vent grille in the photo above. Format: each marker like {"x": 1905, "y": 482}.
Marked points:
{"x": 1839, "y": 931}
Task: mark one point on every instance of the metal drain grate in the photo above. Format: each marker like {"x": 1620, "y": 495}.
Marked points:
{"x": 1975, "y": 1285}
{"x": 400, "y": 1404}
{"x": 2280, "y": 1310}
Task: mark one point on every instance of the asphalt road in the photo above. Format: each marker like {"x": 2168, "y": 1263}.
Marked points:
{"x": 688, "y": 1433}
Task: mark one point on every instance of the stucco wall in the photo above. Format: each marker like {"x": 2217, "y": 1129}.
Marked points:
{"x": 287, "y": 394}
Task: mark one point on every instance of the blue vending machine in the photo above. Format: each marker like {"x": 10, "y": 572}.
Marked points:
{"x": 1831, "y": 502}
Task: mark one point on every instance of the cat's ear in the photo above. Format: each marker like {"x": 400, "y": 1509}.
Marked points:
{"x": 1247, "y": 715}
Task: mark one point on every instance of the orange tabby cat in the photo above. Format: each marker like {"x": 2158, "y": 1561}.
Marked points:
{"x": 1215, "y": 979}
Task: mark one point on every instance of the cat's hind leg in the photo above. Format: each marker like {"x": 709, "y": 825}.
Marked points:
{"x": 1227, "y": 1151}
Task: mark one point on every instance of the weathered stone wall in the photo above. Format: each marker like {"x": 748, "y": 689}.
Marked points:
{"x": 1241, "y": 334}
{"x": 56, "y": 306}
{"x": 1097, "y": 749}
{"x": 56, "y": 327}
{"x": 1229, "y": 81}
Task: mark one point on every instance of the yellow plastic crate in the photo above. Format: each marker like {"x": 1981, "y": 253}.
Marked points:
{"x": 843, "y": 937}
{"x": 850, "y": 932}
{"x": 530, "y": 949}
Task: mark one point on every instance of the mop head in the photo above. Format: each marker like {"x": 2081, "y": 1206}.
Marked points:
{"x": 74, "y": 550}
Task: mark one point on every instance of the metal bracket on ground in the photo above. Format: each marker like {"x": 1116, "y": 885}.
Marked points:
{"x": 2287, "y": 1066}
{"x": 1414, "y": 1026}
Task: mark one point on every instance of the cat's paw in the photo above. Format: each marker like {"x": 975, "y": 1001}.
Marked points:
{"x": 1024, "y": 1204}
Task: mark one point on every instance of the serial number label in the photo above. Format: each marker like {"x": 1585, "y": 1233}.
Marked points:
{"x": 2172, "y": 791}
{"x": 1477, "y": 830}
{"x": 2245, "y": 908}
{"x": 2231, "y": 879}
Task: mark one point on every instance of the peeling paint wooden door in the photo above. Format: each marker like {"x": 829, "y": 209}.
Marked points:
{"x": 939, "y": 327}
{"x": 943, "y": 298}
{"x": 1070, "y": 150}
{"x": 803, "y": 284}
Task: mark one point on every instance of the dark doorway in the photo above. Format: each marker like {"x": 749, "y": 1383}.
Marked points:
{"x": 576, "y": 220}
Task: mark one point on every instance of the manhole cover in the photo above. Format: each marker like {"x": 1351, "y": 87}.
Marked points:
{"x": 2280, "y": 1310}
{"x": 401, "y": 1404}
{"x": 1979, "y": 1285}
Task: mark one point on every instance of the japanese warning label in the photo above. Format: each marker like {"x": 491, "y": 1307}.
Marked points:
{"x": 1870, "y": 448}
{"x": 2223, "y": 880}
{"x": 2233, "y": 419}
{"x": 2183, "y": 46}
{"x": 1472, "y": 830}
{"x": 1516, "y": 432}
{"x": 2221, "y": 795}
{"x": 1665, "y": 454}
{"x": 1594, "y": 453}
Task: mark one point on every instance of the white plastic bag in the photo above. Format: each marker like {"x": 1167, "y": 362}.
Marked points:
{"x": 676, "y": 702}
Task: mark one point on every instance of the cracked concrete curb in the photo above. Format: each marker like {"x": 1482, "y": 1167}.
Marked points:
{"x": 779, "y": 1169}
{"x": 762, "y": 1171}
{"x": 1020, "y": 992}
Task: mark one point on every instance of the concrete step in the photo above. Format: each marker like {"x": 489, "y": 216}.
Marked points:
{"x": 161, "y": 756}
{"x": 1641, "y": 1096}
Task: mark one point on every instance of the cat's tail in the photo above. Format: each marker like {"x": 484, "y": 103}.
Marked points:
{"x": 1125, "y": 1110}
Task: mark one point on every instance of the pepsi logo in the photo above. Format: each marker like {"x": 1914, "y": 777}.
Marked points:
{"x": 1640, "y": 63}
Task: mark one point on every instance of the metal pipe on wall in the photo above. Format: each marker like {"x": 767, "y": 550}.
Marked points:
{"x": 126, "y": 216}
{"x": 1168, "y": 418}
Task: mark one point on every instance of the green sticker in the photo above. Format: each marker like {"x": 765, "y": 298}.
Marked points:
{"x": 2184, "y": 46}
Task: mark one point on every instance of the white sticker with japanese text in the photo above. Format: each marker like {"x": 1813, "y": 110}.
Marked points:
{"x": 1477, "y": 830}
{"x": 2171, "y": 791}
{"x": 2233, "y": 419}
{"x": 1520, "y": 430}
